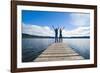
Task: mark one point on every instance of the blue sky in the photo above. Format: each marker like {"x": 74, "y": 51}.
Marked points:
{"x": 36, "y": 20}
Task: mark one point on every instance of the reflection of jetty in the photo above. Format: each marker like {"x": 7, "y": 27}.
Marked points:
{"x": 58, "y": 51}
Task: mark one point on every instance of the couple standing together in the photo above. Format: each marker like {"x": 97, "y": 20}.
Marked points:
{"x": 60, "y": 38}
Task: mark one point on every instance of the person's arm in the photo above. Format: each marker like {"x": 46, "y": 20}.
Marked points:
{"x": 53, "y": 27}
{"x": 62, "y": 28}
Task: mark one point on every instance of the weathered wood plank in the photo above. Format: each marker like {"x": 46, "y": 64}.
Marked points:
{"x": 58, "y": 51}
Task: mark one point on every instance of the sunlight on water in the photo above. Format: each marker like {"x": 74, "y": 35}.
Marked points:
{"x": 82, "y": 46}
{"x": 32, "y": 47}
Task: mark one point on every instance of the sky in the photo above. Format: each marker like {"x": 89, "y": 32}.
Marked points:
{"x": 41, "y": 22}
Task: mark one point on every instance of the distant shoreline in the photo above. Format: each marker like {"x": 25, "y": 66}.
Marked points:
{"x": 35, "y": 36}
{"x": 53, "y": 37}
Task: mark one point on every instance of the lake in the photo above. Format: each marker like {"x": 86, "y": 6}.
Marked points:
{"x": 33, "y": 47}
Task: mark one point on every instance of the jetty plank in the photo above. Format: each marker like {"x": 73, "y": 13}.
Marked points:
{"x": 58, "y": 52}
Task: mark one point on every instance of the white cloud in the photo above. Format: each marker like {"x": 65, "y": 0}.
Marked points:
{"x": 80, "y": 19}
{"x": 46, "y": 31}
{"x": 37, "y": 30}
{"x": 80, "y": 31}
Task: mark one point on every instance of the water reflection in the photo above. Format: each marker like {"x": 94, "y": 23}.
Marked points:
{"x": 32, "y": 47}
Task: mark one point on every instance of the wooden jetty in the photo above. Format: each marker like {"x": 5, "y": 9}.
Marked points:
{"x": 58, "y": 52}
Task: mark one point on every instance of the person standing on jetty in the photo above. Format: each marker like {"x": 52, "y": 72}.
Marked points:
{"x": 56, "y": 34}
{"x": 60, "y": 34}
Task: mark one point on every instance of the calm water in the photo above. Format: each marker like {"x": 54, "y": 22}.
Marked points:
{"x": 32, "y": 47}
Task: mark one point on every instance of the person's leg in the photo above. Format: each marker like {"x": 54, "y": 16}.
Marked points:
{"x": 58, "y": 39}
{"x": 55, "y": 39}
{"x": 61, "y": 39}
